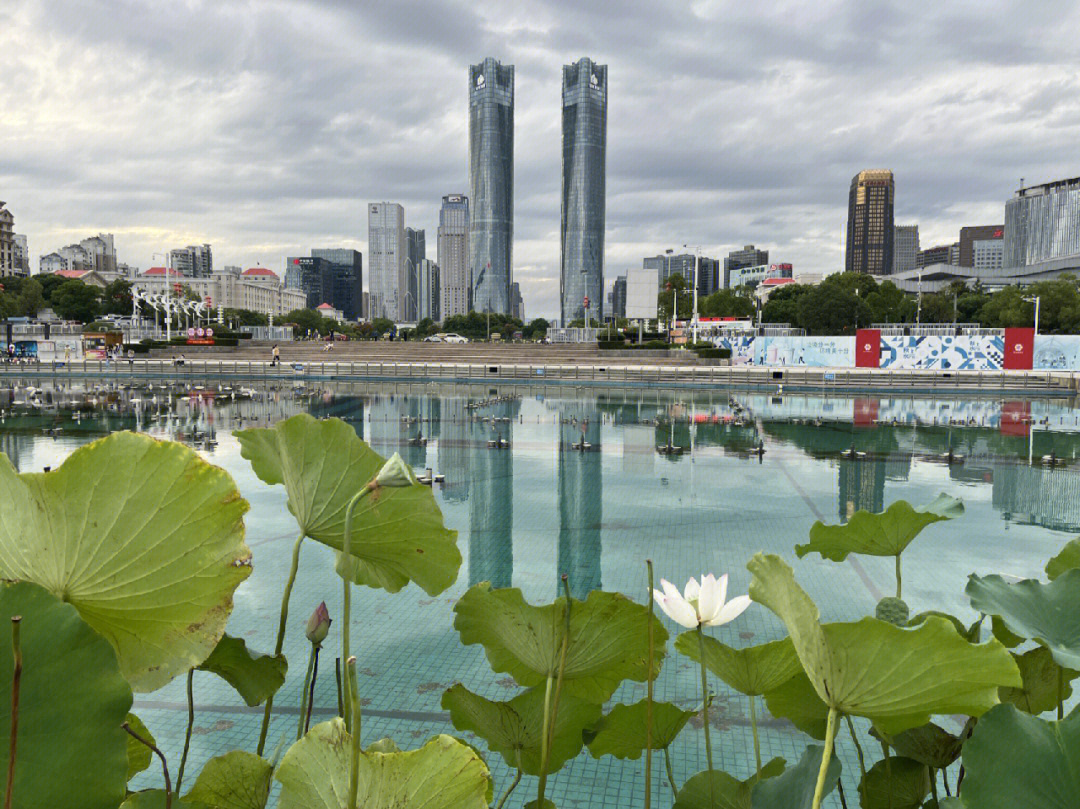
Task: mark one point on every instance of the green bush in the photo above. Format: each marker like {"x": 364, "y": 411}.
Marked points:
{"x": 611, "y": 345}
{"x": 713, "y": 353}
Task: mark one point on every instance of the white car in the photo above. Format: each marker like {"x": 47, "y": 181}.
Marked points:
{"x": 433, "y": 338}
{"x": 454, "y": 338}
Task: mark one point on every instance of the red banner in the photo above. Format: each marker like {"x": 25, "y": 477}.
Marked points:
{"x": 1019, "y": 349}
{"x": 867, "y": 348}
{"x": 866, "y": 412}
{"x": 1016, "y": 416}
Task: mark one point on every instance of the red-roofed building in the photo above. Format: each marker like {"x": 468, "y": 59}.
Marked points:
{"x": 326, "y": 310}
{"x": 260, "y": 273}
{"x": 768, "y": 286}
{"x": 90, "y": 277}
{"x": 160, "y": 272}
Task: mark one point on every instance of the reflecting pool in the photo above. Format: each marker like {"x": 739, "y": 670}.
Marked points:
{"x": 544, "y": 481}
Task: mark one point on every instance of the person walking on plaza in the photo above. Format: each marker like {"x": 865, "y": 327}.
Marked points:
{"x": 275, "y": 355}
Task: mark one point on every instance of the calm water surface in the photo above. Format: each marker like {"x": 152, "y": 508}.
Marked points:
{"x": 583, "y": 490}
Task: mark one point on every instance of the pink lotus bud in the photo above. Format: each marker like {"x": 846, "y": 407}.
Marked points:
{"x": 318, "y": 625}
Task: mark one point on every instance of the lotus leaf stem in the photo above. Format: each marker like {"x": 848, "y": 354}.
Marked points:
{"x": 340, "y": 698}
{"x": 187, "y": 733}
{"x": 280, "y": 637}
{"x": 1061, "y": 694}
{"x": 858, "y": 747}
{"x": 840, "y": 792}
{"x": 898, "y": 575}
{"x": 670, "y": 772}
{"x": 705, "y": 699}
{"x": 304, "y": 692}
{"x": 160, "y": 755}
{"x": 550, "y": 716}
{"x": 933, "y": 785}
{"x": 354, "y": 762}
{"x": 826, "y": 757}
{"x": 649, "y": 694}
{"x": 514, "y": 783}
{"x": 16, "y": 681}
{"x": 311, "y": 694}
{"x": 754, "y": 730}
{"x": 959, "y": 780}
{"x": 888, "y": 771}
{"x": 346, "y": 603}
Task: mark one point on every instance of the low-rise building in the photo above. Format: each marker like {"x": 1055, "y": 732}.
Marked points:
{"x": 326, "y": 310}
{"x": 257, "y": 289}
{"x": 7, "y": 242}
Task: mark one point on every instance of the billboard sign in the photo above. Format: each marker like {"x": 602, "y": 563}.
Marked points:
{"x": 641, "y": 295}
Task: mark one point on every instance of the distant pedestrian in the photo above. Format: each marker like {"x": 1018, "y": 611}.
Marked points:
{"x": 275, "y": 355}
{"x": 67, "y": 353}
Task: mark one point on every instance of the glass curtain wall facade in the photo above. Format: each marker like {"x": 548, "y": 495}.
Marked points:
{"x": 386, "y": 257}
{"x": 347, "y": 268}
{"x": 455, "y": 286}
{"x": 415, "y": 252}
{"x": 428, "y": 298}
{"x": 870, "y": 223}
{"x": 584, "y": 156}
{"x": 491, "y": 184}
{"x": 1043, "y": 222}
{"x": 905, "y": 248}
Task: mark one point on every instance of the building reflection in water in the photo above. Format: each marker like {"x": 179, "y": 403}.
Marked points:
{"x": 490, "y": 491}
{"x": 581, "y": 510}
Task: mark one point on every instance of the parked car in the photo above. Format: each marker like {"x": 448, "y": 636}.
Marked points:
{"x": 433, "y": 338}
{"x": 454, "y": 338}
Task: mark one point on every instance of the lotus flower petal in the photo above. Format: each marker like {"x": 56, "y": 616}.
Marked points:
{"x": 693, "y": 590}
{"x": 730, "y": 611}
{"x": 710, "y": 600}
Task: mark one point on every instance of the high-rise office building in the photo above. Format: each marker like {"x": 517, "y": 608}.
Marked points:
{"x": 386, "y": 260}
{"x": 347, "y": 271}
{"x": 972, "y": 233}
{"x": 584, "y": 156}
{"x": 870, "y": 223}
{"x": 193, "y": 261}
{"x": 671, "y": 263}
{"x": 942, "y": 254}
{"x": 7, "y": 242}
{"x": 491, "y": 184}
{"x": 1043, "y": 222}
{"x": 453, "y": 256}
{"x": 428, "y": 295}
{"x": 709, "y": 276}
{"x": 905, "y": 248}
{"x": 988, "y": 254}
{"x": 314, "y": 276}
{"x": 749, "y": 256}
{"x": 415, "y": 252}
{"x": 618, "y": 297}
{"x": 20, "y": 255}
{"x": 517, "y": 303}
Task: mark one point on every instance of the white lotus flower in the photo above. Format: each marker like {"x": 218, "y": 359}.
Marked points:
{"x": 395, "y": 472}
{"x": 702, "y": 604}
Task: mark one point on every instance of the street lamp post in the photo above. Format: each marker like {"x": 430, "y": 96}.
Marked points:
{"x": 1036, "y": 300}
{"x": 697, "y": 264}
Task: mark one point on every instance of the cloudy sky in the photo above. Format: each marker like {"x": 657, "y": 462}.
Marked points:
{"x": 264, "y": 126}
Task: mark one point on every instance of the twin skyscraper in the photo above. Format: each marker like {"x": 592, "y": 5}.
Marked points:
{"x": 491, "y": 187}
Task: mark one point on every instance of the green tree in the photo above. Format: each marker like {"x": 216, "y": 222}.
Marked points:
{"x": 674, "y": 299}
{"x": 305, "y": 321}
{"x": 536, "y": 329}
{"x": 116, "y": 298}
{"x": 50, "y": 282}
{"x": 1008, "y": 308}
{"x": 833, "y": 307}
{"x": 888, "y": 304}
{"x": 246, "y": 317}
{"x": 381, "y": 326}
{"x": 74, "y": 300}
{"x": 30, "y": 299}
{"x": 727, "y": 303}
{"x": 783, "y": 304}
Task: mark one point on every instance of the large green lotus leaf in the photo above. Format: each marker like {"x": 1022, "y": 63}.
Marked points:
{"x": 443, "y": 774}
{"x": 717, "y": 789}
{"x": 398, "y": 534}
{"x": 155, "y": 799}
{"x": 794, "y": 788}
{"x": 896, "y": 677}
{"x": 138, "y": 754}
{"x": 143, "y": 537}
{"x": 896, "y": 783}
{"x": 622, "y": 731}
{"x": 255, "y": 676}
{"x": 798, "y": 702}
{"x": 1048, "y": 613}
{"x": 929, "y": 744}
{"x": 1067, "y": 559}
{"x": 1016, "y": 760}
{"x": 71, "y": 749}
{"x": 236, "y": 780}
{"x": 608, "y": 639}
{"x": 1043, "y": 679}
{"x": 751, "y": 671}
{"x": 1010, "y": 640}
{"x": 971, "y": 633}
{"x": 884, "y": 534}
{"x": 514, "y": 728}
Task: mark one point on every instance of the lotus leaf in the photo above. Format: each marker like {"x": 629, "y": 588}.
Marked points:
{"x": 929, "y": 744}
{"x": 715, "y": 789}
{"x": 143, "y": 537}
{"x": 236, "y": 780}
{"x": 1014, "y": 759}
{"x": 896, "y": 677}
{"x": 384, "y": 745}
{"x": 1048, "y": 613}
{"x": 885, "y": 534}
{"x": 398, "y": 534}
{"x": 443, "y": 774}
{"x": 622, "y": 731}
{"x": 998, "y": 629}
{"x": 138, "y": 754}
{"x": 972, "y": 633}
{"x": 1068, "y": 558}
{"x": 798, "y": 702}
{"x": 155, "y": 799}
{"x": 255, "y": 676}
{"x": 514, "y": 729}
{"x": 608, "y": 642}
{"x": 753, "y": 671}
{"x": 71, "y": 749}
{"x": 895, "y": 783}
{"x": 794, "y": 788}
{"x": 1043, "y": 680}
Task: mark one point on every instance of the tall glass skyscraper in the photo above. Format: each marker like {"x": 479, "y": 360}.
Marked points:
{"x": 870, "y": 223}
{"x": 584, "y": 154}
{"x": 386, "y": 260}
{"x": 1042, "y": 222}
{"x": 415, "y": 252}
{"x": 454, "y": 285}
{"x": 491, "y": 184}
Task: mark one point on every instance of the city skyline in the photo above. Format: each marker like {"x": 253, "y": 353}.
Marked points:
{"x": 285, "y": 148}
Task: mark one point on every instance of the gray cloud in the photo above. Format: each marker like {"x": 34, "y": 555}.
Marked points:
{"x": 264, "y": 126}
